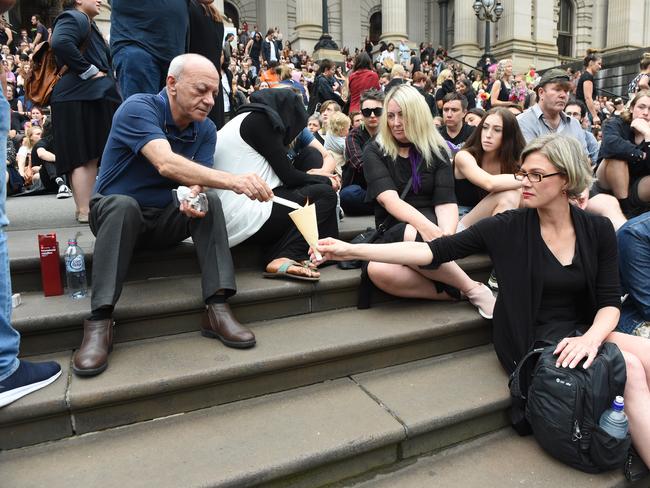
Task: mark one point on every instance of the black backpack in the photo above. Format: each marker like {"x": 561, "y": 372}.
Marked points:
{"x": 562, "y": 407}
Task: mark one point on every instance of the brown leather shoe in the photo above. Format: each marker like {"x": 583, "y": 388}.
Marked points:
{"x": 219, "y": 323}
{"x": 92, "y": 357}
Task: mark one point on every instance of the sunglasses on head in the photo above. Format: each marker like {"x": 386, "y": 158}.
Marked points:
{"x": 367, "y": 112}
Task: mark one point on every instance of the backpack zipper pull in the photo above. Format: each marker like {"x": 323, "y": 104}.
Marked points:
{"x": 577, "y": 434}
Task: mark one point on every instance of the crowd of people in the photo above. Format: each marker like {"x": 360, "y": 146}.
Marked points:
{"x": 449, "y": 162}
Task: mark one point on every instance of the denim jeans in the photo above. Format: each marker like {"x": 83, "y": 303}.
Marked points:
{"x": 9, "y": 337}
{"x": 138, "y": 71}
{"x": 634, "y": 266}
{"x": 353, "y": 201}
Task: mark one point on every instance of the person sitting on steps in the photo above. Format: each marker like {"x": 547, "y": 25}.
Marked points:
{"x": 158, "y": 142}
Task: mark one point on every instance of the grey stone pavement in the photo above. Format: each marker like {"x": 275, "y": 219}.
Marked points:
{"x": 40, "y": 212}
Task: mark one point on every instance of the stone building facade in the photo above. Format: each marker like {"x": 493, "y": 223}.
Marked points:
{"x": 539, "y": 32}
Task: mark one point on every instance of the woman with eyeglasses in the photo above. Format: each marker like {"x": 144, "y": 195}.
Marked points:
{"x": 483, "y": 169}
{"x": 410, "y": 151}
{"x": 557, "y": 268}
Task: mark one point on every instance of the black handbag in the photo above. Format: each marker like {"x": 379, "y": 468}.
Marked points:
{"x": 371, "y": 235}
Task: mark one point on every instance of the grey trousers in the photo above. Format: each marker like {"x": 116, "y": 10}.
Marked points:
{"x": 120, "y": 226}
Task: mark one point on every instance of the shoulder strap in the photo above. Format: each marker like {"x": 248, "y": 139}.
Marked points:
{"x": 383, "y": 226}
{"x": 518, "y": 381}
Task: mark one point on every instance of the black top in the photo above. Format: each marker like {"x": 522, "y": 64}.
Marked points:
{"x": 561, "y": 311}
{"x": 467, "y": 193}
{"x": 458, "y": 141}
{"x": 394, "y": 82}
{"x": 514, "y": 242}
{"x": 446, "y": 87}
{"x": 258, "y": 132}
{"x": 206, "y": 39}
{"x": 71, "y": 30}
{"x": 618, "y": 143}
{"x": 36, "y": 161}
{"x": 580, "y": 93}
{"x": 355, "y": 141}
{"x": 383, "y": 173}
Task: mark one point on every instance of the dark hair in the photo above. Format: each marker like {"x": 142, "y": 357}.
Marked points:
{"x": 579, "y": 103}
{"x": 372, "y": 94}
{"x": 645, "y": 61}
{"x": 67, "y": 5}
{"x": 323, "y": 65}
{"x": 38, "y": 18}
{"x": 362, "y": 61}
{"x": 450, "y": 97}
{"x": 512, "y": 141}
{"x": 418, "y": 76}
{"x": 592, "y": 55}
{"x": 270, "y": 31}
{"x": 476, "y": 111}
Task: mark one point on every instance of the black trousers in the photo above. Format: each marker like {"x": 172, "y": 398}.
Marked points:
{"x": 280, "y": 236}
{"x": 121, "y": 226}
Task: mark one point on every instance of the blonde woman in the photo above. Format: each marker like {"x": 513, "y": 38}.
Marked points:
{"x": 23, "y": 158}
{"x": 445, "y": 84}
{"x": 503, "y": 78}
{"x": 409, "y": 146}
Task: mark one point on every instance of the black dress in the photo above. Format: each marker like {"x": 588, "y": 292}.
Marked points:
{"x": 206, "y": 39}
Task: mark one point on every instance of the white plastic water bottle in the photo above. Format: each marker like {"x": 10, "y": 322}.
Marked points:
{"x": 614, "y": 421}
{"x": 75, "y": 270}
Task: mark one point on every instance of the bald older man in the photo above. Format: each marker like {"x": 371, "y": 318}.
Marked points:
{"x": 158, "y": 142}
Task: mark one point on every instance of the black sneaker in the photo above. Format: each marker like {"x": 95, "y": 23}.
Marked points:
{"x": 492, "y": 282}
{"x": 28, "y": 378}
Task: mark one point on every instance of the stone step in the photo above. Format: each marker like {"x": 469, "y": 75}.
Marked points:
{"x": 174, "y": 261}
{"x": 159, "y": 377}
{"x": 500, "y": 459}
{"x": 158, "y": 307}
{"x": 309, "y": 436}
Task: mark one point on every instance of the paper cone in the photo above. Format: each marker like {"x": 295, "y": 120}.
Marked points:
{"x": 305, "y": 220}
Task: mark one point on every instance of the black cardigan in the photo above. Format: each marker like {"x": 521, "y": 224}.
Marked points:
{"x": 514, "y": 242}
{"x": 70, "y": 32}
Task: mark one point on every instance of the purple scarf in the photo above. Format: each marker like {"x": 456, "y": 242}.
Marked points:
{"x": 416, "y": 158}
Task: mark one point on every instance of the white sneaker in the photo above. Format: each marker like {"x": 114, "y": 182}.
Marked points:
{"x": 64, "y": 192}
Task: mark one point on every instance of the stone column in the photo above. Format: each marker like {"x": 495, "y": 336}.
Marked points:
{"x": 465, "y": 45}
{"x": 351, "y": 25}
{"x": 443, "y": 7}
{"x": 273, "y": 13}
{"x": 626, "y": 29}
{"x": 309, "y": 20}
{"x": 220, "y": 6}
{"x": 393, "y": 21}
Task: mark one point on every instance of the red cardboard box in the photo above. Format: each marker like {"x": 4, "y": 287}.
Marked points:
{"x": 50, "y": 265}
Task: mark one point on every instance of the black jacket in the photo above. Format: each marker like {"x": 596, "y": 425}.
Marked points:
{"x": 618, "y": 143}
{"x": 322, "y": 91}
{"x": 71, "y": 29}
{"x": 514, "y": 242}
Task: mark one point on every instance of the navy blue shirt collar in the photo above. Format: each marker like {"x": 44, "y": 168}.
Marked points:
{"x": 189, "y": 134}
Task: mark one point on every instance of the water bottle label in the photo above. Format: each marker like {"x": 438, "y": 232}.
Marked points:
{"x": 76, "y": 264}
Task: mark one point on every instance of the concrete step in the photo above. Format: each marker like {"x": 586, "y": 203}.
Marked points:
{"x": 155, "y": 378}
{"x": 310, "y": 436}
{"x": 174, "y": 261}
{"x": 157, "y": 307}
{"x": 500, "y": 459}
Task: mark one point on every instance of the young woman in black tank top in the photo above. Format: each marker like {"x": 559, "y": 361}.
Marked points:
{"x": 483, "y": 169}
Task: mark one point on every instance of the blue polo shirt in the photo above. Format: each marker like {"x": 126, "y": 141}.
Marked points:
{"x": 140, "y": 119}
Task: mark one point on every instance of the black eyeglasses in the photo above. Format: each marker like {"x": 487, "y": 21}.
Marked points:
{"x": 367, "y": 112}
{"x": 533, "y": 177}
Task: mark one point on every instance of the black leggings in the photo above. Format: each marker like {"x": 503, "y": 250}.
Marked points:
{"x": 280, "y": 236}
